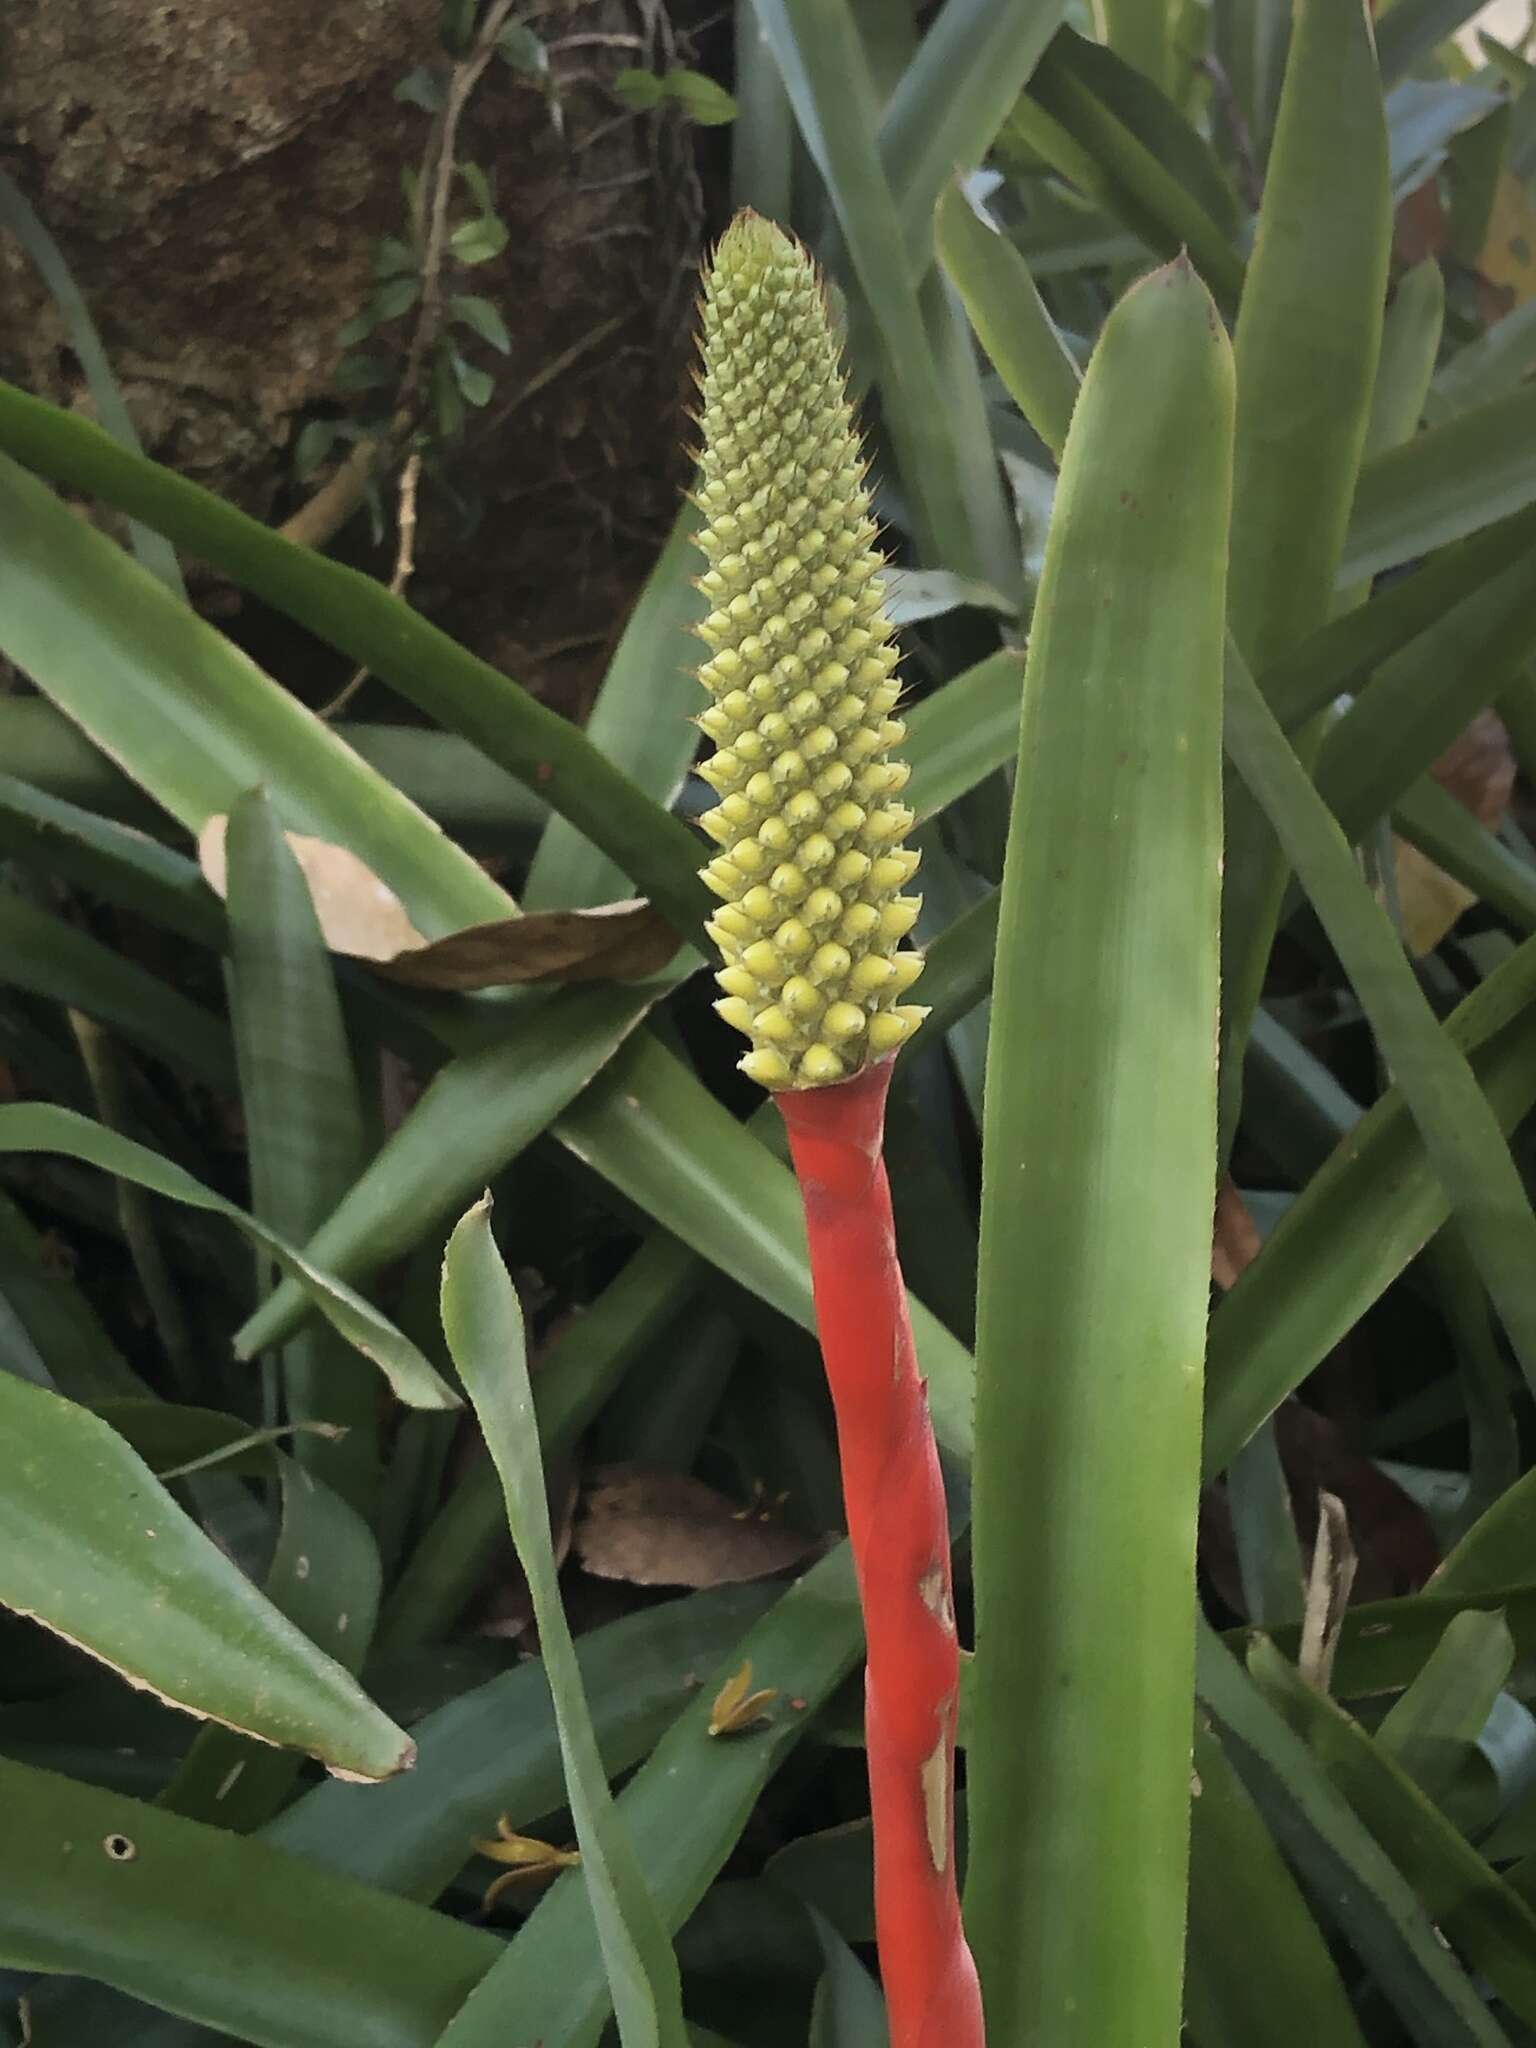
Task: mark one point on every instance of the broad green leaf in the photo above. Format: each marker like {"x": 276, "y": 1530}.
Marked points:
{"x": 826, "y": 76}
{"x": 1487, "y": 1921}
{"x": 971, "y": 64}
{"x": 40, "y": 1127}
{"x": 1411, "y": 29}
{"x": 1436, "y": 1721}
{"x": 1256, "y": 1966}
{"x": 494, "y": 1749}
{"x": 481, "y": 318}
{"x": 1419, "y": 700}
{"x": 1137, "y": 31}
{"x": 180, "y": 745}
{"x": 1493, "y": 365}
{"x": 1307, "y": 342}
{"x": 194, "y": 719}
{"x": 642, "y": 722}
{"x": 42, "y": 954}
{"x": 1410, "y": 341}
{"x": 477, "y": 1113}
{"x": 1359, "y": 1221}
{"x": 848, "y": 2011}
{"x": 323, "y": 1576}
{"x": 303, "y": 1116}
{"x": 1009, "y": 316}
{"x": 1460, "y": 1130}
{"x": 1341, "y": 655}
{"x": 1469, "y": 471}
{"x": 223, "y": 1930}
{"x": 96, "y": 1550}
{"x": 686, "y": 1806}
{"x": 1096, "y": 1201}
{"x": 484, "y": 1327}
{"x": 962, "y": 733}
{"x": 1354, "y": 1879}
{"x": 56, "y": 838}
{"x": 1143, "y": 152}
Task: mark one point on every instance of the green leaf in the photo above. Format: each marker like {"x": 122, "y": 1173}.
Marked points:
{"x": 522, "y": 49}
{"x": 226, "y": 1931}
{"x": 1257, "y": 1965}
{"x": 315, "y": 442}
{"x": 848, "y": 2011}
{"x": 495, "y": 1749}
{"x": 40, "y": 1127}
{"x": 484, "y": 1327}
{"x": 687, "y": 1805}
{"x": 1486, "y": 1920}
{"x": 1429, "y": 1731}
{"x": 642, "y": 90}
{"x": 968, "y": 69}
{"x": 479, "y": 240}
{"x": 1096, "y": 1201}
{"x": 80, "y": 1358}
{"x": 1353, "y": 1879}
{"x": 96, "y": 1549}
{"x": 422, "y": 88}
{"x": 476, "y": 1114}
{"x": 477, "y": 385}
{"x": 41, "y": 953}
{"x": 1307, "y": 341}
{"x": 1467, "y": 472}
{"x": 1460, "y": 1131}
{"x": 1357, "y": 1223}
{"x": 1411, "y": 30}
{"x": 363, "y": 373}
{"x": 195, "y": 721}
{"x": 394, "y": 298}
{"x": 700, "y": 99}
{"x": 1009, "y": 316}
{"x": 826, "y": 75}
{"x": 392, "y": 257}
{"x": 350, "y": 612}
{"x": 303, "y": 1116}
{"x": 482, "y": 318}
{"x": 1139, "y": 155}
{"x": 1497, "y": 363}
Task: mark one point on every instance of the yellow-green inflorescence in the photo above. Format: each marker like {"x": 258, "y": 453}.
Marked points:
{"x": 801, "y": 672}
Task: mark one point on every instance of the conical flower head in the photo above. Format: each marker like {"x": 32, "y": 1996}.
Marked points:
{"x": 801, "y": 671}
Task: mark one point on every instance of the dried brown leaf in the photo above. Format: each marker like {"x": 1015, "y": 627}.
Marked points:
{"x": 362, "y": 917}
{"x": 666, "y": 1529}
{"x": 359, "y": 915}
{"x": 616, "y": 942}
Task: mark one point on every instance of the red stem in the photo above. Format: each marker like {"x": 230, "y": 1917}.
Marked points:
{"x": 900, "y": 1533}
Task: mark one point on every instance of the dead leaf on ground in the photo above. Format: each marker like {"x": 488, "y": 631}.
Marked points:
{"x": 666, "y": 1529}
{"x": 1478, "y": 769}
{"x": 361, "y": 916}
{"x": 615, "y": 942}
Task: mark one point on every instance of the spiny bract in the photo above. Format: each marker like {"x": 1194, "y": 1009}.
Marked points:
{"x": 801, "y": 673}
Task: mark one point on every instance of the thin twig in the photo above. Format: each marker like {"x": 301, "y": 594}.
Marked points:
{"x": 405, "y": 564}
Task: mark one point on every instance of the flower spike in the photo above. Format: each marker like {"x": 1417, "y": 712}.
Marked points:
{"x": 801, "y": 673}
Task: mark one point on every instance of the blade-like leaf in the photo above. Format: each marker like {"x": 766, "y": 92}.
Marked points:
{"x": 1460, "y": 1130}
{"x": 484, "y": 1327}
{"x": 40, "y": 1127}
{"x": 303, "y": 1122}
{"x": 96, "y": 1550}
{"x": 1351, "y": 1876}
{"x": 1097, "y": 1194}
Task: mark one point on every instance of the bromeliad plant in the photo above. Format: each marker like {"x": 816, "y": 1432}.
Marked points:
{"x": 801, "y": 671}
{"x": 1262, "y": 428}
